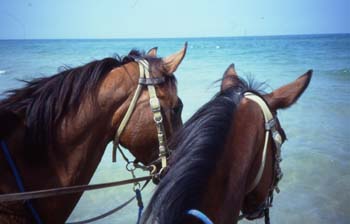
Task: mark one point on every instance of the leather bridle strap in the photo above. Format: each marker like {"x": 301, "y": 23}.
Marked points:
{"x": 146, "y": 79}
{"x": 126, "y": 119}
{"x": 151, "y": 81}
{"x": 157, "y": 115}
{"x": 270, "y": 125}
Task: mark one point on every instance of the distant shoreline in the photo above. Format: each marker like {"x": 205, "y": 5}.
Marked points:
{"x": 186, "y": 38}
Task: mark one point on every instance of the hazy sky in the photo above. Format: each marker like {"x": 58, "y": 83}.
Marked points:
{"x": 46, "y": 19}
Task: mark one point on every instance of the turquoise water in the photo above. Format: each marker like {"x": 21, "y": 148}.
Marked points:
{"x": 316, "y": 183}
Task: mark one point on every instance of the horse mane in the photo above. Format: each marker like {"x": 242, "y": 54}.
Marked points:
{"x": 197, "y": 147}
{"x": 43, "y": 102}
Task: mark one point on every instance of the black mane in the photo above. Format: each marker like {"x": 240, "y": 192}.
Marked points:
{"x": 197, "y": 147}
{"x": 43, "y": 102}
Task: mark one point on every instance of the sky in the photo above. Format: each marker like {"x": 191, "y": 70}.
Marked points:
{"x": 80, "y": 19}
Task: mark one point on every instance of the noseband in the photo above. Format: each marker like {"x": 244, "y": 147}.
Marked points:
{"x": 146, "y": 80}
{"x": 270, "y": 127}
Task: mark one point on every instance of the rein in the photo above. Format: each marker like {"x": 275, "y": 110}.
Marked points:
{"x": 139, "y": 203}
{"x": 19, "y": 181}
{"x": 66, "y": 190}
{"x": 26, "y": 196}
{"x": 146, "y": 80}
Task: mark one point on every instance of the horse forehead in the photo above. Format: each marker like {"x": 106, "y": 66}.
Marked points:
{"x": 119, "y": 74}
{"x": 156, "y": 67}
{"x": 246, "y": 107}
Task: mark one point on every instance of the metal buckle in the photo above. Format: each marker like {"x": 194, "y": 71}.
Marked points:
{"x": 277, "y": 138}
{"x": 162, "y": 153}
{"x": 158, "y": 119}
{"x": 270, "y": 124}
{"x": 155, "y": 104}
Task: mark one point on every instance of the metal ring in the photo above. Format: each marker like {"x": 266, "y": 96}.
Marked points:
{"x": 153, "y": 169}
{"x": 130, "y": 166}
{"x": 136, "y": 186}
{"x": 155, "y": 118}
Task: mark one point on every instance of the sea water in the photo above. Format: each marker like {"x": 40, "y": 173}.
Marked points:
{"x": 316, "y": 158}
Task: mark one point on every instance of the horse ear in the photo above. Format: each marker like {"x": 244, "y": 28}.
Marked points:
{"x": 152, "y": 52}
{"x": 287, "y": 95}
{"x": 173, "y": 61}
{"x": 230, "y": 77}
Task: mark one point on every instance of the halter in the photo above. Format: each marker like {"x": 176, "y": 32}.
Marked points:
{"x": 270, "y": 127}
{"x": 145, "y": 80}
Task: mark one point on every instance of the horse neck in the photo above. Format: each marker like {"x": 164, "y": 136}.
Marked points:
{"x": 68, "y": 163}
{"x": 228, "y": 184}
{"x": 82, "y": 138}
{"x": 81, "y": 141}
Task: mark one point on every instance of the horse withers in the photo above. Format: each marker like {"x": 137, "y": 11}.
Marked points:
{"x": 56, "y": 128}
{"x": 226, "y": 157}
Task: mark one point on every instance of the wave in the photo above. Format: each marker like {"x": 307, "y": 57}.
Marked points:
{"x": 2, "y": 72}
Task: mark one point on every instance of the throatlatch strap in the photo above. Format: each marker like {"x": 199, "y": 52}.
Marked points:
{"x": 125, "y": 120}
{"x": 269, "y": 120}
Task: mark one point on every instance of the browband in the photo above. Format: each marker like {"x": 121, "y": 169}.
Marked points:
{"x": 151, "y": 81}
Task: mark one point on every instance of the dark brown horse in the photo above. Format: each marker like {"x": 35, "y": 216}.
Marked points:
{"x": 57, "y": 128}
{"x": 213, "y": 172}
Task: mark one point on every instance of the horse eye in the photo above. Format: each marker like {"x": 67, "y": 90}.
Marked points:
{"x": 178, "y": 107}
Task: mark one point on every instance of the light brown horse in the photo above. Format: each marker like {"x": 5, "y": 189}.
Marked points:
{"x": 57, "y": 128}
{"x": 213, "y": 172}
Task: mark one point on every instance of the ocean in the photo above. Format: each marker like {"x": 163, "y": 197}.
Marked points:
{"x": 316, "y": 158}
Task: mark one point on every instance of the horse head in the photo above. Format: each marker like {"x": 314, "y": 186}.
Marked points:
{"x": 226, "y": 157}
{"x": 61, "y": 124}
{"x": 140, "y": 132}
{"x": 265, "y": 171}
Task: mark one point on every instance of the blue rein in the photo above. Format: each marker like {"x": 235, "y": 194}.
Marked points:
{"x": 19, "y": 180}
{"x": 140, "y": 204}
{"x": 199, "y": 215}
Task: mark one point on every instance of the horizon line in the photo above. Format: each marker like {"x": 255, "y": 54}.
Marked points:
{"x": 188, "y": 37}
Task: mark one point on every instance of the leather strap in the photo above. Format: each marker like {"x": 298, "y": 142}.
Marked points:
{"x": 66, "y": 190}
{"x": 151, "y": 81}
{"x": 157, "y": 115}
{"x": 125, "y": 120}
{"x": 270, "y": 125}
{"x": 146, "y": 79}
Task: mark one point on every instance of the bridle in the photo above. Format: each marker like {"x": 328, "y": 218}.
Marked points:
{"x": 145, "y": 80}
{"x": 270, "y": 128}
